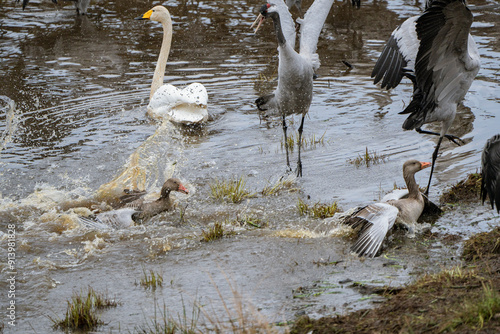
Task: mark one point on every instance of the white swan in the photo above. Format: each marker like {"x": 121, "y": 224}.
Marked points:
{"x": 186, "y": 106}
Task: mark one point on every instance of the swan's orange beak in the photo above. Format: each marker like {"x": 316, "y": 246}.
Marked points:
{"x": 183, "y": 189}
{"x": 259, "y": 19}
{"x": 424, "y": 164}
{"x": 146, "y": 15}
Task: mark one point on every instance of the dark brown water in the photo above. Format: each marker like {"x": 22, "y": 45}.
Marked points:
{"x": 81, "y": 85}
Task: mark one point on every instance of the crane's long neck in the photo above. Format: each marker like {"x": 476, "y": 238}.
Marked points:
{"x": 163, "y": 57}
{"x": 277, "y": 28}
{"x": 411, "y": 184}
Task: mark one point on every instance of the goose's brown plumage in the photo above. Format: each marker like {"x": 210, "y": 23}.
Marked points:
{"x": 134, "y": 209}
{"x": 377, "y": 219}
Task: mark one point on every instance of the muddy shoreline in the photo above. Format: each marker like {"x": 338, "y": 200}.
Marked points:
{"x": 462, "y": 299}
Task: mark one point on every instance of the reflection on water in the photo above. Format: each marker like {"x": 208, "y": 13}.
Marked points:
{"x": 79, "y": 134}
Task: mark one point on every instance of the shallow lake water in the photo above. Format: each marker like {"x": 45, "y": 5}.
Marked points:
{"x": 81, "y": 86}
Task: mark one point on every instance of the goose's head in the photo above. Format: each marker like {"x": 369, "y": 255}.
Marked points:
{"x": 267, "y": 10}
{"x": 413, "y": 166}
{"x": 173, "y": 184}
{"x": 158, "y": 14}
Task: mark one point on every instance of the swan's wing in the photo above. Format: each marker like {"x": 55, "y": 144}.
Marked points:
{"x": 376, "y": 220}
{"x": 447, "y": 59}
{"x": 287, "y": 24}
{"x": 490, "y": 172}
{"x": 398, "y": 56}
{"x": 310, "y": 29}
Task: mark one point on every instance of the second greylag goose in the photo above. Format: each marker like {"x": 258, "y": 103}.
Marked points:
{"x": 136, "y": 210}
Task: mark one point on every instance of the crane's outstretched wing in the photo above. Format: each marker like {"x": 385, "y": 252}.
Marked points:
{"x": 490, "y": 172}
{"x": 310, "y": 29}
{"x": 376, "y": 220}
{"x": 444, "y": 67}
{"x": 398, "y": 56}
{"x": 287, "y": 24}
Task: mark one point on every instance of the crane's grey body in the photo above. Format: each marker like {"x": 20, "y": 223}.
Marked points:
{"x": 442, "y": 69}
{"x": 293, "y": 95}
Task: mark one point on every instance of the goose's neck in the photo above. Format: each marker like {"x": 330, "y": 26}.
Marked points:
{"x": 277, "y": 28}
{"x": 164, "y": 195}
{"x": 411, "y": 184}
{"x": 163, "y": 57}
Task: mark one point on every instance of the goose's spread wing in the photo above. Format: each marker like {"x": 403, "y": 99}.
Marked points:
{"x": 287, "y": 24}
{"x": 376, "y": 220}
{"x": 398, "y": 56}
{"x": 490, "y": 162}
{"x": 395, "y": 195}
{"x": 311, "y": 27}
{"x": 447, "y": 59}
{"x": 115, "y": 219}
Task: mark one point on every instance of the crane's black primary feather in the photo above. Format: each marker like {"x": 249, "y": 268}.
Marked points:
{"x": 490, "y": 181}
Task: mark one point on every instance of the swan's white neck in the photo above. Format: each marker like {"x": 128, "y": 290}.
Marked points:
{"x": 166, "y": 22}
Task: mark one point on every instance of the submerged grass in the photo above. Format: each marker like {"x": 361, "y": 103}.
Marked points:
{"x": 215, "y": 232}
{"x": 164, "y": 323}
{"x": 368, "y": 158}
{"x": 151, "y": 280}
{"x": 317, "y": 210}
{"x": 308, "y": 143}
{"x": 281, "y": 185}
{"x": 81, "y": 312}
{"x": 232, "y": 191}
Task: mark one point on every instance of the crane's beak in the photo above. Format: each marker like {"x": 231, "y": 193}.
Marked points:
{"x": 424, "y": 164}
{"x": 259, "y": 19}
{"x": 146, "y": 15}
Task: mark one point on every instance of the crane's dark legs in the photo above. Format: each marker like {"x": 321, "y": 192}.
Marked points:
{"x": 299, "y": 161}
{"x": 449, "y": 137}
{"x": 434, "y": 157}
{"x": 286, "y": 142}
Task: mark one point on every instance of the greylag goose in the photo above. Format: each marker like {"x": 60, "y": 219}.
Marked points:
{"x": 186, "y": 106}
{"x": 438, "y": 53}
{"x": 293, "y": 94}
{"x": 490, "y": 172}
{"x": 377, "y": 219}
{"x": 136, "y": 211}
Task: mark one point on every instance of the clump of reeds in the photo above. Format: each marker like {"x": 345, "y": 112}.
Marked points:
{"x": 282, "y": 184}
{"x": 317, "y": 210}
{"x": 310, "y": 142}
{"x": 368, "y": 158}
{"x": 216, "y": 231}
{"x": 232, "y": 191}
{"x": 151, "y": 280}
{"x": 165, "y": 323}
{"x": 81, "y": 312}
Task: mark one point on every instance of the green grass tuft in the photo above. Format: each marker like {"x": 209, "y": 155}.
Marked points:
{"x": 368, "y": 158}
{"x": 317, "y": 210}
{"x": 232, "y": 191}
{"x": 213, "y": 233}
{"x": 151, "y": 280}
{"x": 81, "y": 312}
